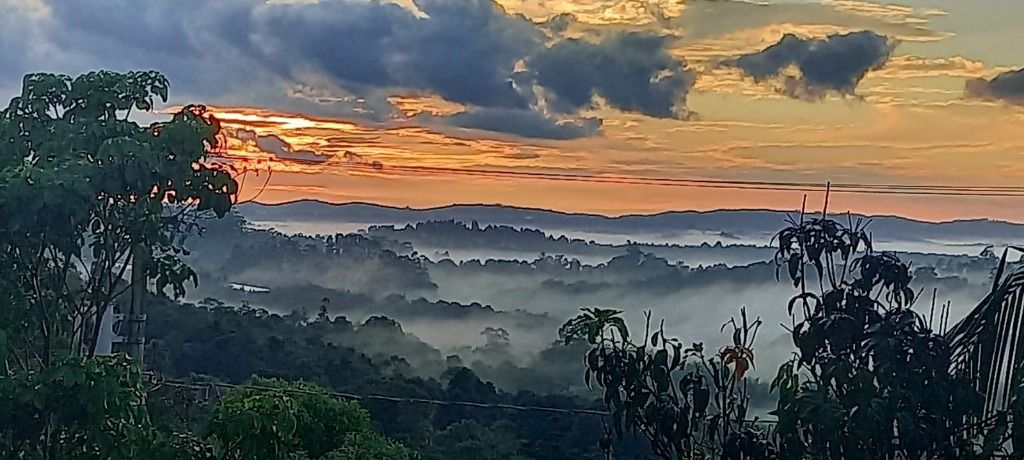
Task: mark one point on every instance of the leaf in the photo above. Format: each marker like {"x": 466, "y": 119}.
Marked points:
{"x": 661, "y": 359}
{"x": 794, "y": 269}
{"x": 701, "y": 400}
{"x": 677, "y": 356}
{"x": 592, "y": 359}
{"x": 741, "y": 367}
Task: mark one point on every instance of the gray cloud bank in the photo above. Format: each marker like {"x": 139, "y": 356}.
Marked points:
{"x": 1007, "y": 86}
{"x": 835, "y": 64}
{"x": 344, "y": 57}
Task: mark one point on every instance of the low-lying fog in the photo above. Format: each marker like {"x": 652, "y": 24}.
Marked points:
{"x": 966, "y": 245}
{"x": 447, "y": 284}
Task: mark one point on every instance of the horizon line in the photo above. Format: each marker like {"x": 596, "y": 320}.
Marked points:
{"x": 619, "y": 216}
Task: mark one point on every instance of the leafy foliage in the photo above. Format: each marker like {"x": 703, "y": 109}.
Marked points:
{"x": 469, "y": 439}
{"x": 84, "y": 189}
{"x": 871, "y": 380}
{"x": 85, "y": 409}
{"x": 685, "y": 403}
{"x": 256, "y": 421}
{"x": 96, "y": 408}
{"x": 232, "y": 343}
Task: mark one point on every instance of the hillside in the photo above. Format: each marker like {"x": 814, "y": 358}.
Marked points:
{"x": 755, "y": 226}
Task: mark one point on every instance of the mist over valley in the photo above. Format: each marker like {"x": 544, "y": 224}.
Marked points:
{"x": 489, "y": 287}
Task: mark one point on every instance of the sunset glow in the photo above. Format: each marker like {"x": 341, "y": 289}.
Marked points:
{"x": 714, "y": 149}
{"x": 342, "y": 125}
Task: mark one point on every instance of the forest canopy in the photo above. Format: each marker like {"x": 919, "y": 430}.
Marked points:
{"x": 101, "y": 213}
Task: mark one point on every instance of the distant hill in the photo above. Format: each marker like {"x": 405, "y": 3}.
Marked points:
{"x": 754, "y": 224}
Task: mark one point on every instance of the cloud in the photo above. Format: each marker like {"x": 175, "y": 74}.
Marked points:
{"x": 773, "y": 59}
{"x": 464, "y": 50}
{"x": 841, "y": 61}
{"x": 526, "y": 123}
{"x": 281, "y": 149}
{"x": 19, "y": 36}
{"x": 834, "y": 64}
{"x": 186, "y": 40}
{"x": 910, "y": 66}
{"x": 345, "y": 58}
{"x": 1007, "y": 86}
{"x": 631, "y": 71}
{"x": 278, "y": 147}
{"x": 709, "y": 19}
{"x": 467, "y": 52}
{"x": 413, "y": 105}
{"x": 522, "y": 155}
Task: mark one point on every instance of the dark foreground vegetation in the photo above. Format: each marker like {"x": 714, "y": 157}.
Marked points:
{"x": 94, "y": 208}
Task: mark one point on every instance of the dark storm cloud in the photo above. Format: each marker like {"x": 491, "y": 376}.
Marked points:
{"x": 631, "y": 71}
{"x": 465, "y": 50}
{"x": 770, "y": 61}
{"x": 1007, "y": 86}
{"x": 181, "y": 39}
{"x": 841, "y": 61}
{"x": 154, "y": 29}
{"x": 19, "y": 41}
{"x": 250, "y": 52}
{"x": 834, "y": 64}
{"x": 14, "y": 59}
{"x": 526, "y": 123}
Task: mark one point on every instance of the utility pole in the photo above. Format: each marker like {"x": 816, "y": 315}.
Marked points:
{"x": 134, "y": 326}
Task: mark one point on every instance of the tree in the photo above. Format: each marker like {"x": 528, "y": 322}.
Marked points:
{"x": 85, "y": 409}
{"x": 870, "y": 379}
{"x": 369, "y": 446}
{"x": 275, "y": 419}
{"x": 685, "y": 403}
{"x": 84, "y": 191}
{"x": 469, "y": 440}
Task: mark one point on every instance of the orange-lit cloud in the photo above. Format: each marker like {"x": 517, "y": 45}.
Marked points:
{"x": 603, "y": 12}
{"x": 342, "y": 142}
{"x": 872, "y": 144}
{"x": 391, "y": 111}
{"x": 414, "y": 105}
{"x": 908, "y": 124}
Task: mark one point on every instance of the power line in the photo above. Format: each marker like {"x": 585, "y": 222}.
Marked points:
{"x": 780, "y": 186}
{"x": 161, "y": 382}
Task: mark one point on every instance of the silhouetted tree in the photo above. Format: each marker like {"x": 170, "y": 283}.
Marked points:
{"x": 870, "y": 380}
{"x": 685, "y": 403}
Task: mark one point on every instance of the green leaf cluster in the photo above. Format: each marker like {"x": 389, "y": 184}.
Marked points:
{"x": 84, "y": 190}
{"x": 685, "y": 403}
{"x": 871, "y": 380}
{"x": 276, "y": 419}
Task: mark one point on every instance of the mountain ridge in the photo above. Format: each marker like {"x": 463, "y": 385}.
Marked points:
{"x": 609, "y": 216}
{"x": 757, "y": 223}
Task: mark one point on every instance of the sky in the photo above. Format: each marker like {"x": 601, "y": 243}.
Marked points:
{"x": 604, "y": 106}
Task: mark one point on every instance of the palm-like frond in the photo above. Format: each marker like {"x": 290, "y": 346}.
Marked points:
{"x": 988, "y": 344}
